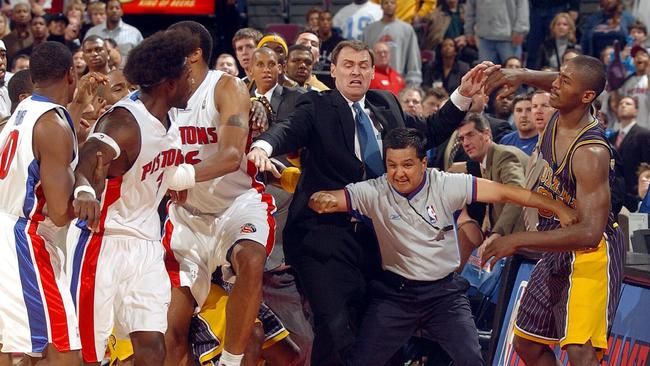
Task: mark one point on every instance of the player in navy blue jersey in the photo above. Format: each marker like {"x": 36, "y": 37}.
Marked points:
{"x": 574, "y": 289}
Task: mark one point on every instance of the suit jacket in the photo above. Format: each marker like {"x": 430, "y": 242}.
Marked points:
{"x": 322, "y": 122}
{"x": 634, "y": 150}
{"x": 507, "y": 165}
{"x": 283, "y": 101}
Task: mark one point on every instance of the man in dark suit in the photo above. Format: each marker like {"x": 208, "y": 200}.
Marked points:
{"x": 279, "y": 288}
{"x": 342, "y": 131}
{"x": 633, "y": 145}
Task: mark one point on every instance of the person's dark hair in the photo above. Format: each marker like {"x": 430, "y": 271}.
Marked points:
{"x": 91, "y": 38}
{"x": 598, "y": 105}
{"x": 312, "y": 11}
{"x": 638, "y": 25}
{"x": 310, "y": 32}
{"x": 480, "y": 122}
{"x": 50, "y": 61}
{"x": 159, "y": 57}
{"x": 110, "y": 41}
{"x": 19, "y": 57}
{"x": 633, "y": 99}
{"x": 264, "y": 49}
{"x": 570, "y": 50}
{"x": 505, "y": 62}
{"x": 20, "y": 83}
{"x": 592, "y": 73}
{"x": 298, "y": 47}
{"x": 252, "y": 33}
{"x": 355, "y": 45}
{"x": 205, "y": 39}
{"x": 438, "y": 92}
{"x": 403, "y": 138}
{"x": 519, "y": 98}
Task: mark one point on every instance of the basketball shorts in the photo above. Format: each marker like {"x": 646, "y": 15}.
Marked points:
{"x": 571, "y": 297}
{"x": 36, "y": 307}
{"x": 208, "y": 329}
{"x": 196, "y": 244}
{"x": 116, "y": 282}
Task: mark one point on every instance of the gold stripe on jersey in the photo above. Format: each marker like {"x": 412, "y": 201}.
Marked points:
{"x": 583, "y": 143}
{"x": 590, "y": 125}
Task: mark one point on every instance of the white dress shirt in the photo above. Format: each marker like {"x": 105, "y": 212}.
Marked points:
{"x": 461, "y": 102}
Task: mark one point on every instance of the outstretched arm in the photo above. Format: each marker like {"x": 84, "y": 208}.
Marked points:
{"x": 328, "y": 201}
{"x": 514, "y": 78}
{"x": 591, "y": 171}
{"x": 492, "y": 192}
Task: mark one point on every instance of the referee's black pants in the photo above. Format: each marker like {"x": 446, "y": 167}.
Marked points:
{"x": 399, "y": 307}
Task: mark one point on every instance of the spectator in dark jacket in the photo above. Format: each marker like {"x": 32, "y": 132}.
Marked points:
{"x": 446, "y": 69}
{"x": 562, "y": 38}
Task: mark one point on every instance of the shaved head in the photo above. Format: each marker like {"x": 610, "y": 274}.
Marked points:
{"x": 591, "y": 73}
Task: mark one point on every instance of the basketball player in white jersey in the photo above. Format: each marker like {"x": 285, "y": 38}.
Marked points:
{"x": 226, "y": 220}
{"x": 115, "y": 259}
{"x": 36, "y": 183}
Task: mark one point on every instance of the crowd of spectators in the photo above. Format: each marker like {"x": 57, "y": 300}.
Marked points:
{"x": 422, "y": 50}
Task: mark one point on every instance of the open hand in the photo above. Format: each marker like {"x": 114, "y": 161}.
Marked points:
{"x": 474, "y": 79}
{"x": 259, "y": 118}
{"x": 262, "y": 162}
{"x": 87, "y": 87}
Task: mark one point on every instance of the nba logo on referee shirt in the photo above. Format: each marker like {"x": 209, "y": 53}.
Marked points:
{"x": 248, "y": 228}
{"x": 432, "y": 214}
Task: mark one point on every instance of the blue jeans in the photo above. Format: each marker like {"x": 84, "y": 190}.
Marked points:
{"x": 497, "y": 51}
{"x": 540, "y": 19}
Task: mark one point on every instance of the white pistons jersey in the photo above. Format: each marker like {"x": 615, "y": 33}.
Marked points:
{"x": 199, "y": 126}
{"x": 130, "y": 202}
{"x": 21, "y": 194}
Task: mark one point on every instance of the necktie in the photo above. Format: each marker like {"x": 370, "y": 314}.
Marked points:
{"x": 619, "y": 139}
{"x": 368, "y": 143}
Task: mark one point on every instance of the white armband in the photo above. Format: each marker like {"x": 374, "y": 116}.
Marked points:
{"x": 181, "y": 177}
{"x": 87, "y": 189}
{"x": 108, "y": 141}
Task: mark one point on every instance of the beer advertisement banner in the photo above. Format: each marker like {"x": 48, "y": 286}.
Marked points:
{"x": 184, "y": 7}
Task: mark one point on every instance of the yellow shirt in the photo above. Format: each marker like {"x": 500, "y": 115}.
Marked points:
{"x": 406, "y": 9}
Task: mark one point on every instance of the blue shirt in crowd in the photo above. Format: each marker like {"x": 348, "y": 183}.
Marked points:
{"x": 525, "y": 145}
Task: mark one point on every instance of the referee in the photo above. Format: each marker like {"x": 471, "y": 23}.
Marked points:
{"x": 411, "y": 209}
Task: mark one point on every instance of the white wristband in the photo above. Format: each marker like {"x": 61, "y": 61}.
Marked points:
{"x": 181, "y": 177}
{"x": 228, "y": 359}
{"x": 87, "y": 189}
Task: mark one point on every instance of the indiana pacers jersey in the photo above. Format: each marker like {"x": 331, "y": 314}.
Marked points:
{"x": 572, "y": 296}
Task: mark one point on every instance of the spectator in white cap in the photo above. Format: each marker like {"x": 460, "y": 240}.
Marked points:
{"x": 5, "y": 102}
